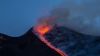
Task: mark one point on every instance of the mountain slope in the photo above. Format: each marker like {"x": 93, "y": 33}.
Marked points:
{"x": 25, "y": 45}
{"x": 74, "y": 43}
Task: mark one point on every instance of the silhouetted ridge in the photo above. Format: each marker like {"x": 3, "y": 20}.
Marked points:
{"x": 26, "y": 45}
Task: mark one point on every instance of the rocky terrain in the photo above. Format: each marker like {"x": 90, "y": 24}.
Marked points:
{"x": 74, "y": 43}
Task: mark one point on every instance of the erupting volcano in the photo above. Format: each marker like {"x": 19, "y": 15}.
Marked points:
{"x": 41, "y": 28}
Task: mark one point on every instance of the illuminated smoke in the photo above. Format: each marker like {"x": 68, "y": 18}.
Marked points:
{"x": 80, "y": 15}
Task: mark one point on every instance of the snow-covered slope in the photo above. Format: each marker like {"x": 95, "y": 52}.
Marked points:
{"x": 74, "y": 43}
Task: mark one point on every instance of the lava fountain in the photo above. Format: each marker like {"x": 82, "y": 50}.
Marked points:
{"x": 41, "y": 28}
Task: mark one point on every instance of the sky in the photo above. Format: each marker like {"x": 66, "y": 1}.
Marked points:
{"x": 18, "y": 16}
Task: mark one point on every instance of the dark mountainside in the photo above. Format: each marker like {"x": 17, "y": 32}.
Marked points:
{"x": 25, "y": 45}
{"x": 74, "y": 43}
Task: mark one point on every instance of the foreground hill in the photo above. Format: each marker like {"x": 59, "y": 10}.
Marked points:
{"x": 25, "y": 45}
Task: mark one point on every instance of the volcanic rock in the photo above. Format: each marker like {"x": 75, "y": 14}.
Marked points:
{"x": 73, "y": 43}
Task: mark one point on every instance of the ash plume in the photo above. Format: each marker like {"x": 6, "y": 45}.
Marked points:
{"x": 80, "y": 15}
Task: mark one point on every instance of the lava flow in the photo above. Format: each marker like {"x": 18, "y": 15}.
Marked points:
{"x": 41, "y": 29}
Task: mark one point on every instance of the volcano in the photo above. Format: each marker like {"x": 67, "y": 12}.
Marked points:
{"x": 64, "y": 40}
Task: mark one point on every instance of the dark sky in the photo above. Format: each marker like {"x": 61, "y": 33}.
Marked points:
{"x": 17, "y": 16}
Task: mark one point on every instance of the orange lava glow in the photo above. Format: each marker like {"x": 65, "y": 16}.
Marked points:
{"x": 41, "y": 29}
{"x": 43, "y": 25}
{"x": 51, "y": 46}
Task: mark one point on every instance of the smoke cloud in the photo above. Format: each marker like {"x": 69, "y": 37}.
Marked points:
{"x": 79, "y": 15}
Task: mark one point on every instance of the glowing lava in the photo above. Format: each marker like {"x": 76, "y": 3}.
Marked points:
{"x": 41, "y": 29}
{"x": 51, "y": 46}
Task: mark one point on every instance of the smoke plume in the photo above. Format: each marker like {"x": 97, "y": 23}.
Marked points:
{"x": 79, "y": 15}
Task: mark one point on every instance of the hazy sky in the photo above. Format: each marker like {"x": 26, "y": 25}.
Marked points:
{"x": 17, "y": 16}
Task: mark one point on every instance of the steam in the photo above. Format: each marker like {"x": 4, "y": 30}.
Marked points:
{"x": 80, "y": 15}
